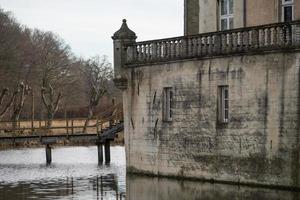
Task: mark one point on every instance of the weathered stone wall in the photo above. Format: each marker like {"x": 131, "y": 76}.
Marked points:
{"x": 259, "y": 144}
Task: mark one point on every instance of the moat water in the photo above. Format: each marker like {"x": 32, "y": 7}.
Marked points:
{"x": 75, "y": 174}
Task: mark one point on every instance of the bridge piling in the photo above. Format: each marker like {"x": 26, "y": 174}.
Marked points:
{"x": 107, "y": 151}
{"x": 100, "y": 153}
{"x": 48, "y": 154}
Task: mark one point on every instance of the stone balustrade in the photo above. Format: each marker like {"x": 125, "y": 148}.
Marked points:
{"x": 271, "y": 37}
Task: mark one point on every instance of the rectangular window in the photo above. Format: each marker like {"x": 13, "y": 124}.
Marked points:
{"x": 223, "y": 104}
{"x": 287, "y": 11}
{"x": 168, "y": 104}
{"x": 226, "y": 14}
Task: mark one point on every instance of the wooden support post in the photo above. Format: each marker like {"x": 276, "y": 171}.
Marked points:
{"x": 107, "y": 151}
{"x": 48, "y": 154}
{"x": 32, "y": 111}
{"x": 97, "y": 126}
{"x": 67, "y": 127}
{"x": 72, "y": 123}
{"x": 100, "y": 153}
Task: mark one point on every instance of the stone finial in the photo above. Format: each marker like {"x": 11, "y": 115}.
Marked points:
{"x": 124, "y": 32}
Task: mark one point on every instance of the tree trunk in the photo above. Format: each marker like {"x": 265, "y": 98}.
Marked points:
{"x": 50, "y": 120}
{"x": 89, "y": 117}
{"x": 15, "y": 120}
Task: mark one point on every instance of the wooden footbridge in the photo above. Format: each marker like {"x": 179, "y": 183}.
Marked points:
{"x": 102, "y": 132}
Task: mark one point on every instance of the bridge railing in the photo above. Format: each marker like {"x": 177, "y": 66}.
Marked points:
{"x": 271, "y": 37}
{"x": 102, "y": 120}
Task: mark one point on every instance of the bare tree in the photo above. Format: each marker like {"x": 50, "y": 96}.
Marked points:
{"x": 19, "y": 95}
{"x": 54, "y": 70}
{"x": 51, "y": 103}
{"x": 97, "y": 72}
{"x": 5, "y": 106}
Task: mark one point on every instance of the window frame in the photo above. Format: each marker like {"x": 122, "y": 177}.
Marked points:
{"x": 228, "y": 16}
{"x": 168, "y": 96}
{"x": 287, "y": 3}
{"x": 223, "y": 108}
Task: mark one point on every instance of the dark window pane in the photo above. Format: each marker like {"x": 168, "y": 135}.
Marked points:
{"x": 231, "y": 23}
{"x": 230, "y": 6}
{"x": 226, "y": 104}
{"x": 223, "y": 7}
{"x": 226, "y": 93}
{"x": 288, "y": 13}
{"x": 226, "y": 114}
{"x": 223, "y": 24}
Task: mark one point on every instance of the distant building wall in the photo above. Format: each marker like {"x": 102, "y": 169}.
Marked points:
{"x": 259, "y": 144}
{"x": 262, "y": 12}
{"x": 191, "y": 17}
{"x": 202, "y": 16}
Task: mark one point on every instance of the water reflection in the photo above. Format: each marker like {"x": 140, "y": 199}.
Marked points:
{"x": 75, "y": 174}
{"x": 103, "y": 187}
{"x": 151, "y": 188}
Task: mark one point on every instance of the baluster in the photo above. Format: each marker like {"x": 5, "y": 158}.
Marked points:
{"x": 170, "y": 49}
{"x": 229, "y": 43}
{"x": 147, "y": 51}
{"x": 189, "y": 46}
{"x": 150, "y": 51}
{"x": 176, "y": 48}
{"x": 143, "y": 51}
{"x": 274, "y": 36}
{"x": 296, "y": 28}
{"x": 261, "y": 37}
{"x": 173, "y": 49}
{"x": 245, "y": 41}
{"x": 234, "y": 37}
{"x": 209, "y": 45}
{"x": 255, "y": 39}
{"x": 281, "y": 36}
{"x": 268, "y": 37}
{"x": 217, "y": 43}
{"x": 138, "y": 52}
{"x": 165, "y": 51}
{"x": 184, "y": 47}
{"x": 159, "y": 50}
{"x": 154, "y": 51}
{"x": 204, "y": 46}
{"x": 241, "y": 41}
{"x": 199, "y": 46}
{"x": 223, "y": 43}
{"x": 195, "y": 46}
{"x": 288, "y": 35}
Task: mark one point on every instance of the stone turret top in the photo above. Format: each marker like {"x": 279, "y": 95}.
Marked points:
{"x": 124, "y": 32}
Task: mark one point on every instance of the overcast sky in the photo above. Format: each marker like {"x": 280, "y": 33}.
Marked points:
{"x": 87, "y": 25}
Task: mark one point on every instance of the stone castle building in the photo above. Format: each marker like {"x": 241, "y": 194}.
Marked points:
{"x": 222, "y": 102}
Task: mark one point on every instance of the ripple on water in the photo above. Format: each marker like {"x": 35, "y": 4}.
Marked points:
{"x": 74, "y": 174}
